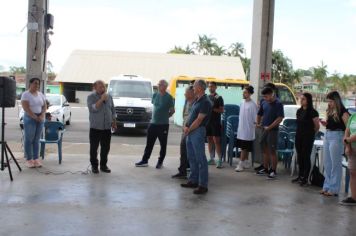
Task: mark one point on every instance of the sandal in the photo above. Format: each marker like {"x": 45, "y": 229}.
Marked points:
{"x": 322, "y": 192}
{"x": 328, "y": 194}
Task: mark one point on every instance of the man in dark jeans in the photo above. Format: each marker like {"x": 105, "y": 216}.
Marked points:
{"x": 184, "y": 164}
{"x": 195, "y": 130}
{"x": 163, "y": 108}
{"x": 102, "y": 118}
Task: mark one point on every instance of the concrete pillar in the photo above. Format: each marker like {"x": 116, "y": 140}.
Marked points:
{"x": 261, "y": 55}
{"x": 262, "y": 40}
{"x": 36, "y": 33}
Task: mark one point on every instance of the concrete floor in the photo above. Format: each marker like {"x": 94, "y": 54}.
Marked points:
{"x": 146, "y": 201}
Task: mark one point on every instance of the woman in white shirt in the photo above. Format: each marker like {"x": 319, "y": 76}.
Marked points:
{"x": 34, "y": 104}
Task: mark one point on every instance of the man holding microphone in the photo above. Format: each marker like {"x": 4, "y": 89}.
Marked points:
{"x": 102, "y": 118}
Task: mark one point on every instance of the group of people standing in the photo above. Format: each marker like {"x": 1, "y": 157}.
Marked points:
{"x": 201, "y": 120}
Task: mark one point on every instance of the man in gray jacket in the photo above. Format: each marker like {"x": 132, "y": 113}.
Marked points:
{"x": 102, "y": 118}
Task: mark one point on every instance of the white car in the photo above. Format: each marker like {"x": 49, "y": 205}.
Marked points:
{"x": 59, "y": 109}
{"x": 290, "y": 116}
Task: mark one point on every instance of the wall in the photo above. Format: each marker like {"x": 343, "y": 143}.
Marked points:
{"x": 82, "y": 96}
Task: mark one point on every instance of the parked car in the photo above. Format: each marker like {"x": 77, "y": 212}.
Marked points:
{"x": 290, "y": 117}
{"x": 59, "y": 109}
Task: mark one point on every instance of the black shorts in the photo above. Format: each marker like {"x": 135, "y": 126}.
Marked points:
{"x": 213, "y": 129}
{"x": 245, "y": 145}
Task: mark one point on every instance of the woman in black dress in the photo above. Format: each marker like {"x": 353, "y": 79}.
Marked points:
{"x": 307, "y": 127}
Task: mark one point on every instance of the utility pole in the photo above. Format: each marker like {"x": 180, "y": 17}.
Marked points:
{"x": 261, "y": 48}
{"x": 36, "y": 42}
{"x": 261, "y": 54}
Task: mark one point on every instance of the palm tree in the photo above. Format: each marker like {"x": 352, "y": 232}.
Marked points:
{"x": 189, "y": 50}
{"x": 281, "y": 68}
{"x": 236, "y": 49}
{"x": 320, "y": 74}
{"x": 205, "y": 45}
{"x": 177, "y": 50}
{"x": 219, "y": 51}
{"x": 180, "y": 50}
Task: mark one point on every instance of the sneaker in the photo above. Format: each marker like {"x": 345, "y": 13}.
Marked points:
{"x": 240, "y": 167}
{"x": 30, "y": 164}
{"x": 189, "y": 184}
{"x": 200, "y": 190}
{"x": 296, "y": 180}
{"x": 141, "y": 164}
{"x": 159, "y": 165}
{"x": 211, "y": 162}
{"x": 348, "y": 202}
{"x": 105, "y": 169}
{"x": 246, "y": 164}
{"x": 37, "y": 163}
{"x": 259, "y": 168}
{"x": 303, "y": 183}
{"x": 262, "y": 172}
{"x": 219, "y": 164}
{"x": 94, "y": 170}
{"x": 272, "y": 175}
{"x": 179, "y": 176}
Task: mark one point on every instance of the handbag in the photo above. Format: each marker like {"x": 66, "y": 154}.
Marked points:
{"x": 316, "y": 178}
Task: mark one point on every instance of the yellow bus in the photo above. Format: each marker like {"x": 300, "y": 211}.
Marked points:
{"x": 230, "y": 89}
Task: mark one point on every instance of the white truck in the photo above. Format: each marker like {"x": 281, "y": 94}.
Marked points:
{"x": 132, "y": 97}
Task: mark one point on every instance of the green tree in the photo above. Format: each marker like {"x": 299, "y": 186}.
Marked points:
{"x": 218, "y": 51}
{"x": 180, "y": 50}
{"x": 205, "y": 45}
{"x": 282, "y": 69}
{"x": 17, "y": 70}
{"x": 236, "y": 50}
{"x": 246, "y": 63}
{"x": 320, "y": 74}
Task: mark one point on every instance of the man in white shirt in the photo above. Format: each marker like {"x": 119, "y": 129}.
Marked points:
{"x": 246, "y": 128}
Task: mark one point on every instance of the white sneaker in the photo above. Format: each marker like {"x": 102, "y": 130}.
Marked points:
{"x": 240, "y": 167}
{"x": 246, "y": 164}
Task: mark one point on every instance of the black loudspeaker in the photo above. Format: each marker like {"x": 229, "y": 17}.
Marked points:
{"x": 7, "y": 92}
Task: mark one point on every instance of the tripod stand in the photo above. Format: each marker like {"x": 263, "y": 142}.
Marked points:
{"x": 5, "y": 149}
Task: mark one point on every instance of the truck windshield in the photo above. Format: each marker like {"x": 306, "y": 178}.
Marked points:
{"x": 131, "y": 89}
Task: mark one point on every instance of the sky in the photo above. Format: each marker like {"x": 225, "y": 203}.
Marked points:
{"x": 307, "y": 31}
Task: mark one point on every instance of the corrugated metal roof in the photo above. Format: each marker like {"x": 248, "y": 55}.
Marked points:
{"x": 85, "y": 66}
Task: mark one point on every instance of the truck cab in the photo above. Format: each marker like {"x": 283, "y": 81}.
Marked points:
{"x": 132, "y": 97}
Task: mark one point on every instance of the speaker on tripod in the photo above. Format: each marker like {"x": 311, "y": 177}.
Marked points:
{"x": 7, "y": 99}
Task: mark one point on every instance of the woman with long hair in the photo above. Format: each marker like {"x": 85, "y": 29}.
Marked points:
{"x": 337, "y": 117}
{"x": 307, "y": 127}
{"x": 34, "y": 104}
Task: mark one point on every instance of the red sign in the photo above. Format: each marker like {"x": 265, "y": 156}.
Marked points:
{"x": 265, "y": 76}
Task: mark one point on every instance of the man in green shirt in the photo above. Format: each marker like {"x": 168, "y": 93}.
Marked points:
{"x": 350, "y": 151}
{"x": 163, "y": 108}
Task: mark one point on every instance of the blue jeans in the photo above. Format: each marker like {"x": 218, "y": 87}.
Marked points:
{"x": 32, "y": 133}
{"x": 333, "y": 150}
{"x": 197, "y": 158}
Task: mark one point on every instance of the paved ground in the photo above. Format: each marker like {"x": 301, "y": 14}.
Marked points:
{"x": 146, "y": 201}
